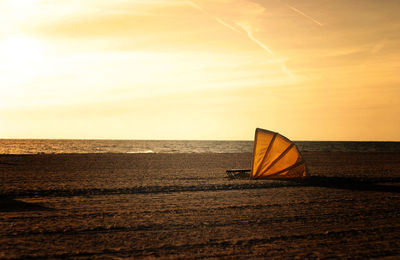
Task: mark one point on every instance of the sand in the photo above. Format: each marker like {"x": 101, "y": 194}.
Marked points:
{"x": 183, "y": 206}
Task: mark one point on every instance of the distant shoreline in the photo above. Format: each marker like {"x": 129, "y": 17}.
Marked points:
{"x": 25, "y": 146}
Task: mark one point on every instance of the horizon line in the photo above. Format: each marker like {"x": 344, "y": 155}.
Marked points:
{"x": 189, "y": 140}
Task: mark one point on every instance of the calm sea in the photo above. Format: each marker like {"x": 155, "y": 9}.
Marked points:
{"x": 34, "y": 146}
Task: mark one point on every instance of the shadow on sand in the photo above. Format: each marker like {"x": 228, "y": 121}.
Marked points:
{"x": 352, "y": 183}
{"x": 348, "y": 183}
{"x": 13, "y": 205}
{"x": 9, "y": 203}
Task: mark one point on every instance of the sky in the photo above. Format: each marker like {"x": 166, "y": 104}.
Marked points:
{"x": 200, "y": 70}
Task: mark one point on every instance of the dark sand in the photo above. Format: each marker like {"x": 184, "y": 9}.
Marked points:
{"x": 182, "y": 206}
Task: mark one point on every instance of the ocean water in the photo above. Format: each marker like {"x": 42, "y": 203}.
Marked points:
{"x": 48, "y": 146}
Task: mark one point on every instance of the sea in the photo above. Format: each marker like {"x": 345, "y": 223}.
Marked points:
{"x": 57, "y": 146}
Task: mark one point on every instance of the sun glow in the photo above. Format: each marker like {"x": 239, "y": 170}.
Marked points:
{"x": 22, "y": 59}
{"x": 20, "y": 51}
{"x": 21, "y": 3}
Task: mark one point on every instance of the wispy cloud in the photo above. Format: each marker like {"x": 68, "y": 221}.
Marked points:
{"x": 227, "y": 25}
{"x": 304, "y": 14}
{"x": 219, "y": 20}
{"x": 244, "y": 28}
{"x": 254, "y": 39}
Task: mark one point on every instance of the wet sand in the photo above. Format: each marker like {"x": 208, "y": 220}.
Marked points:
{"x": 183, "y": 206}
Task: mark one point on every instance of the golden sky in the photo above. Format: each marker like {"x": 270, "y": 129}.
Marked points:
{"x": 177, "y": 69}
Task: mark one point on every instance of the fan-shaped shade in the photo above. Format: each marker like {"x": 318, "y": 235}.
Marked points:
{"x": 275, "y": 156}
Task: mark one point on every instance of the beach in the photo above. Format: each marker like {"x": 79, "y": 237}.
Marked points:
{"x": 115, "y": 205}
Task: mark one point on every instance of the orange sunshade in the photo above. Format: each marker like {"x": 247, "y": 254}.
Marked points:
{"x": 275, "y": 156}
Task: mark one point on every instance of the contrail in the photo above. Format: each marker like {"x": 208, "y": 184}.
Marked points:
{"x": 197, "y": 7}
{"x": 251, "y": 36}
{"x": 248, "y": 32}
{"x": 227, "y": 25}
{"x": 287, "y": 71}
{"x": 220, "y": 21}
{"x": 303, "y": 14}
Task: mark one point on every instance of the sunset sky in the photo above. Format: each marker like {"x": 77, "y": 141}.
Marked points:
{"x": 216, "y": 70}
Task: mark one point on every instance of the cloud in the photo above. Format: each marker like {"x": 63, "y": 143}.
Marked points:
{"x": 219, "y": 20}
{"x": 255, "y": 40}
{"x": 304, "y": 14}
